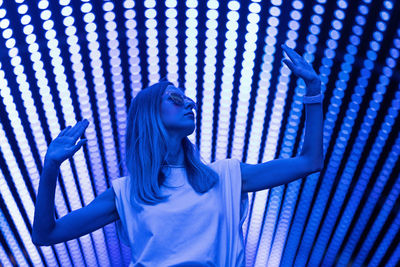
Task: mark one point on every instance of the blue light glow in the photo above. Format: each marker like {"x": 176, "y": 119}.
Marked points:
{"x": 63, "y": 61}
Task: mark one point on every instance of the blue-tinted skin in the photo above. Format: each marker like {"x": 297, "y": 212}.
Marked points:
{"x": 178, "y": 124}
{"x": 102, "y": 210}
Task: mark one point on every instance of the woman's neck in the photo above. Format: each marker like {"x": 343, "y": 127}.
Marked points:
{"x": 176, "y": 157}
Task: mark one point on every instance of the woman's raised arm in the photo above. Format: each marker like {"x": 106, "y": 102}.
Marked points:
{"x": 101, "y": 211}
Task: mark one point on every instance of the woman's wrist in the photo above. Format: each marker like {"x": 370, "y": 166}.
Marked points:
{"x": 312, "y": 93}
{"x": 313, "y": 87}
{"x": 51, "y": 163}
{"x": 313, "y": 99}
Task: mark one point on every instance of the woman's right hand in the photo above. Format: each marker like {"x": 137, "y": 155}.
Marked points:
{"x": 64, "y": 145}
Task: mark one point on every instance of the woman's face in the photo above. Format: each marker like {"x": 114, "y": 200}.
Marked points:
{"x": 174, "y": 116}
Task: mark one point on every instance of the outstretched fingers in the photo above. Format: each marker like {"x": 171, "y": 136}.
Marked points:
{"x": 294, "y": 57}
{"x": 289, "y": 63}
{"x": 79, "y": 145}
{"x": 64, "y": 131}
{"x": 78, "y": 129}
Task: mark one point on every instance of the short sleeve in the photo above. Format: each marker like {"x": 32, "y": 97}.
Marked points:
{"x": 244, "y": 197}
{"x": 236, "y": 205}
{"x": 120, "y": 188}
{"x": 231, "y": 180}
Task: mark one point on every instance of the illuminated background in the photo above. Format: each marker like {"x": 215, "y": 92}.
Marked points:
{"x": 61, "y": 61}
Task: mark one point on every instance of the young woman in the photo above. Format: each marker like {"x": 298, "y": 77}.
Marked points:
{"x": 173, "y": 209}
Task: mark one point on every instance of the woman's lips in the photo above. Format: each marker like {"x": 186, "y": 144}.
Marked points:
{"x": 189, "y": 114}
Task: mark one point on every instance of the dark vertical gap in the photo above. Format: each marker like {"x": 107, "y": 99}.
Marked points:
{"x": 6, "y": 248}
{"x": 14, "y": 231}
{"x": 201, "y": 39}
{"x": 221, "y": 29}
{"x": 162, "y": 37}
{"x": 142, "y": 46}
{"x": 181, "y": 28}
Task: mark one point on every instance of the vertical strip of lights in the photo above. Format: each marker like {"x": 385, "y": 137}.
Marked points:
{"x": 112, "y": 169}
{"x": 246, "y": 79}
{"x": 85, "y": 106}
{"x": 172, "y": 41}
{"x": 276, "y": 192}
{"x": 294, "y": 235}
{"x": 66, "y": 103}
{"x": 151, "y": 41}
{"x": 395, "y": 258}
{"x": 293, "y": 188}
{"x": 101, "y": 96}
{"x": 389, "y": 236}
{"x": 244, "y": 94}
{"x": 260, "y": 106}
{"x": 12, "y": 208}
{"x": 371, "y": 162}
{"x": 338, "y": 93}
{"x": 5, "y": 230}
{"x": 66, "y": 170}
{"x": 191, "y": 52}
{"x": 209, "y": 80}
{"x": 391, "y": 198}
{"x": 272, "y": 211}
{"x": 37, "y": 132}
{"x": 227, "y": 80}
{"x": 120, "y": 110}
{"x": 116, "y": 76}
{"x": 360, "y": 142}
{"x": 332, "y": 169}
{"x": 12, "y": 163}
{"x": 20, "y": 136}
{"x": 134, "y": 71}
{"x": 133, "y": 51}
{"x": 5, "y": 260}
{"x": 261, "y": 99}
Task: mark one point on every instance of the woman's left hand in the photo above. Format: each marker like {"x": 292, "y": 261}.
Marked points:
{"x": 301, "y": 68}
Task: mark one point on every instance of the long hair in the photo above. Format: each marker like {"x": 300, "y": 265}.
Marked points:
{"x": 146, "y": 151}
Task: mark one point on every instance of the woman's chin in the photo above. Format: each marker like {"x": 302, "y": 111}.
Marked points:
{"x": 186, "y": 129}
{"x": 190, "y": 130}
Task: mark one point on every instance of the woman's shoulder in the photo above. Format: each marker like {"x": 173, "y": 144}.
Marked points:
{"x": 120, "y": 179}
{"x": 119, "y": 183}
{"x": 221, "y": 163}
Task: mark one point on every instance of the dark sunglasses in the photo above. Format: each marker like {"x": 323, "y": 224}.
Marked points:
{"x": 179, "y": 99}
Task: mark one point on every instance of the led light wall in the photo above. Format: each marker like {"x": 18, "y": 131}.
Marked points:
{"x": 63, "y": 61}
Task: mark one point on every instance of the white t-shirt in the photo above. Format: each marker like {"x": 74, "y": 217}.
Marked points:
{"x": 190, "y": 229}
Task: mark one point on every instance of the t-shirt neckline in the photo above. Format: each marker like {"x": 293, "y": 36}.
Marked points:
{"x": 175, "y": 166}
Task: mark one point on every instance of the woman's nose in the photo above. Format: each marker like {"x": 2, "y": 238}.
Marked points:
{"x": 190, "y": 103}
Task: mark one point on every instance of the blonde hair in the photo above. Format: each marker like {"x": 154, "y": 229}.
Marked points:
{"x": 146, "y": 150}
